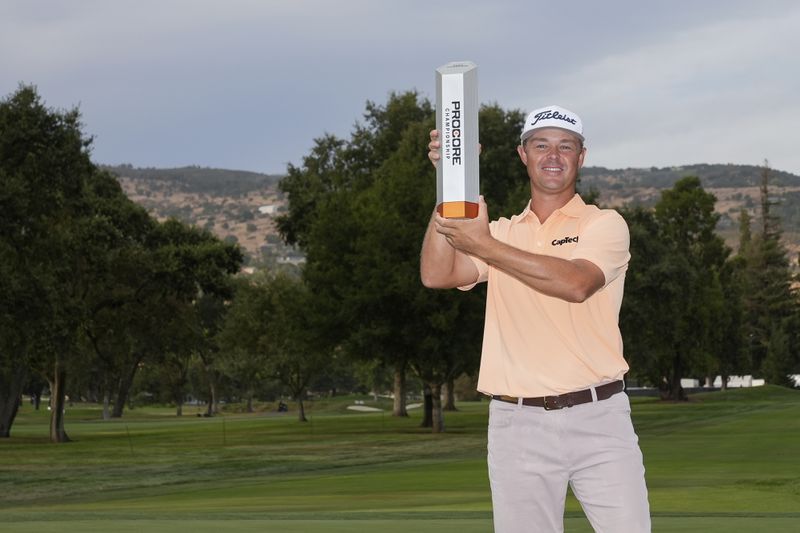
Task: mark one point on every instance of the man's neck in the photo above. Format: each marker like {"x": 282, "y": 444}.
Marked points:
{"x": 543, "y": 205}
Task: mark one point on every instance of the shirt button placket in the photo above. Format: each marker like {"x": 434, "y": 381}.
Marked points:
{"x": 538, "y": 237}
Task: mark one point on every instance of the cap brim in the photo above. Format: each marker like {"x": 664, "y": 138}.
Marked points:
{"x": 529, "y": 133}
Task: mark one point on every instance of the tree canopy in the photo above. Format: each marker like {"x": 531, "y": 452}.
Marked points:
{"x": 100, "y": 298}
{"x": 359, "y": 208}
{"x": 89, "y": 274}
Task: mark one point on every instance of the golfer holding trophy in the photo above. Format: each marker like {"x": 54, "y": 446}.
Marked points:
{"x": 551, "y": 360}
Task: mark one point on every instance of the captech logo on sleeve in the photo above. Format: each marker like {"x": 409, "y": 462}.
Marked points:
{"x": 565, "y": 240}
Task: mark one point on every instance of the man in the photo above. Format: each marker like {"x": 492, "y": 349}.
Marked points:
{"x": 552, "y": 350}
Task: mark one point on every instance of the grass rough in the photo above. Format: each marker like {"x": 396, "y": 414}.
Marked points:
{"x": 723, "y": 461}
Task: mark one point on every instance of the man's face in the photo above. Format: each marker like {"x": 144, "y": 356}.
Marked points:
{"x": 553, "y": 157}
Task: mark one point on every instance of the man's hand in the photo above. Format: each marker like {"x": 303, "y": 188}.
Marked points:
{"x": 470, "y": 235}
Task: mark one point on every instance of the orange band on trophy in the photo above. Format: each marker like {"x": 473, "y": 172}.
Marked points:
{"x": 458, "y": 209}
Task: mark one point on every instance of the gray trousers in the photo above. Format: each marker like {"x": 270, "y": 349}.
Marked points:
{"x": 534, "y": 453}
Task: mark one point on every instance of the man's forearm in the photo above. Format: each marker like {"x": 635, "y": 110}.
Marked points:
{"x": 441, "y": 265}
{"x": 570, "y": 280}
{"x": 437, "y": 258}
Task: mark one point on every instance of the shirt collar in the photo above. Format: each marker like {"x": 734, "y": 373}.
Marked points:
{"x": 573, "y": 209}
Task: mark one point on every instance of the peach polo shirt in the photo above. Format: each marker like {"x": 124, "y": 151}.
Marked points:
{"x": 537, "y": 345}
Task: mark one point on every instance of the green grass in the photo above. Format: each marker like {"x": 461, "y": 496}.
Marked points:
{"x": 722, "y": 462}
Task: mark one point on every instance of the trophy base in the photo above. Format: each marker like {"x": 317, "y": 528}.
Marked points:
{"x": 458, "y": 209}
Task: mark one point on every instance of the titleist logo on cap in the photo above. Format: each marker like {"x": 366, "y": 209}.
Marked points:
{"x": 555, "y": 115}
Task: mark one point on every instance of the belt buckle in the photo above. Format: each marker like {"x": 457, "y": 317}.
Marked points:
{"x": 554, "y": 406}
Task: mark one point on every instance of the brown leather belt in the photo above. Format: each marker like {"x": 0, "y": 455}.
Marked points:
{"x": 569, "y": 399}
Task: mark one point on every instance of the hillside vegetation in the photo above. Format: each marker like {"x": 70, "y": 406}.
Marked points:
{"x": 736, "y": 187}
{"x": 227, "y": 202}
{"x": 237, "y": 206}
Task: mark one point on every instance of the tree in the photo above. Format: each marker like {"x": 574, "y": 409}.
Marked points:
{"x": 359, "y": 209}
{"x": 136, "y": 306}
{"x": 175, "y": 363}
{"x": 47, "y": 239}
{"x": 321, "y": 195}
{"x": 770, "y": 305}
{"x": 12, "y": 379}
{"x": 730, "y": 353}
{"x": 439, "y": 332}
{"x": 273, "y": 324}
{"x": 82, "y": 258}
{"x": 243, "y": 355}
{"x": 674, "y": 294}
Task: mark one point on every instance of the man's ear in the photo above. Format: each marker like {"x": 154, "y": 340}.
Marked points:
{"x": 522, "y": 155}
{"x": 581, "y": 157}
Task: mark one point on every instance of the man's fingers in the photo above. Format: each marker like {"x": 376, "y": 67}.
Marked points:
{"x": 433, "y": 147}
{"x": 483, "y": 210}
{"x": 446, "y": 222}
{"x": 443, "y": 227}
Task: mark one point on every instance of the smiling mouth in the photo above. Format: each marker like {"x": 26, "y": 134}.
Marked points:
{"x": 552, "y": 169}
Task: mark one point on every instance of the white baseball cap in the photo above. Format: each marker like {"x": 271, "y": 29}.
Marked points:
{"x": 552, "y": 117}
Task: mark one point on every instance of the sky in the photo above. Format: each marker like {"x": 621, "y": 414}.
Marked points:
{"x": 249, "y": 84}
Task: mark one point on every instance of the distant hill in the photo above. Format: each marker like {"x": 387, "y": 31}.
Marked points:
{"x": 240, "y": 206}
{"x": 237, "y": 206}
{"x": 736, "y": 187}
{"x": 194, "y": 179}
{"x": 712, "y": 176}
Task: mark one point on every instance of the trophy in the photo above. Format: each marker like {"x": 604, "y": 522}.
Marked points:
{"x": 457, "y": 182}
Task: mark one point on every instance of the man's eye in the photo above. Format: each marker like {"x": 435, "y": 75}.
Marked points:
{"x": 566, "y": 148}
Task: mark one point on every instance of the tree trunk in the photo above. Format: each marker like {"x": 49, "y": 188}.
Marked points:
{"x": 106, "y": 406}
{"x": 57, "y": 404}
{"x": 124, "y": 388}
{"x": 723, "y": 382}
{"x": 438, "y": 414}
{"x": 449, "y": 394}
{"x": 178, "y": 390}
{"x": 676, "y": 391}
{"x": 301, "y": 410}
{"x": 427, "y": 407}
{"x": 664, "y": 388}
{"x": 250, "y": 404}
{"x": 212, "y": 397}
{"x": 10, "y": 397}
{"x": 399, "y": 408}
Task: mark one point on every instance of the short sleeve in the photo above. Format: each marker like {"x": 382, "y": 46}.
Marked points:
{"x": 483, "y": 273}
{"x": 605, "y": 241}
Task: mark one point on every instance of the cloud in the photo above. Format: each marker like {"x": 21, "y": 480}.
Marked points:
{"x": 250, "y": 83}
{"x": 724, "y": 92}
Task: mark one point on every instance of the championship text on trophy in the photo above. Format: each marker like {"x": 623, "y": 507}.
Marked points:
{"x": 457, "y": 181}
